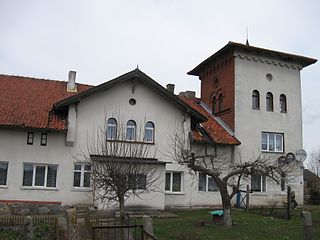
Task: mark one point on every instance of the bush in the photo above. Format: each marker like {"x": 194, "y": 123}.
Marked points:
{"x": 314, "y": 197}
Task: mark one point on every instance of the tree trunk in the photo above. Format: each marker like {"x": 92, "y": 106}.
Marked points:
{"x": 226, "y": 204}
{"x": 122, "y": 210}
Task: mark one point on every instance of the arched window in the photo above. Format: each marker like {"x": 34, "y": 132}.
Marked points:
{"x": 131, "y": 130}
{"x": 112, "y": 129}
{"x": 214, "y": 105}
{"x": 269, "y": 101}
{"x": 220, "y": 102}
{"x": 255, "y": 99}
{"x": 149, "y": 132}
{"x": 283, "y": 103}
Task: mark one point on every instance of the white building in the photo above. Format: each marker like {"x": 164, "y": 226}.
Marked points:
{"x": 45, "y": 123}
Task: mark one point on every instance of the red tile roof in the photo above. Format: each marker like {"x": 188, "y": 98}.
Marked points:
{"x": 27, "y": 102}
{"x": 217, "y": 133}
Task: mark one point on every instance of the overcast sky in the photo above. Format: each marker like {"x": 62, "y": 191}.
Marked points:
{"x": 166, "y": 38}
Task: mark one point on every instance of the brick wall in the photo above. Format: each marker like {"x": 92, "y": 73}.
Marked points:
{"x": 218, "y": 78}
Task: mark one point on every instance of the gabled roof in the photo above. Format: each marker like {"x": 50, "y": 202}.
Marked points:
{"x": 217, "y": 132}
{"x": 135, "y": 75}
{"x": 308, "y": 175}
{"x": 27, "y": 102}
{"x": 231, "y": 46}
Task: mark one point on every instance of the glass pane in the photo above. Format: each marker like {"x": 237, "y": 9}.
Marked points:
{"x": 256, "y": 183}
{"x": 77, "y": 167}
{"x": 168, "y": 180}
{"x": 3, "y": 173}
{"x": 142, "y": 181}
{"x": 52, "y": 176}
{"x": 86, "y": 180}
{"x": 130, "y": 133}
{"x": 263, "y": 183}
{"x": 176, "y": 182}
{"x": 40, "y": 174}
{"x": 202, "y": 182}
{"x": 27, "y": 174}
{"x": 264, "y": 141}
{"x": 271, "y": 141}
{"x": 76, "y": 179}
{"x": 112, "y": 132}
{"x": 87, "y": 167}
{"x": 212, "y": 186}
{"x": 279, "y": 143}
{"x": 148, "y": 136}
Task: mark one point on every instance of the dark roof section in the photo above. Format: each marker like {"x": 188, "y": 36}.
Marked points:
{"x": 27, "y": 102}
{"x": 133, "y": 75}
{"x": 231, "y": 46}
{"x": 126, "y": 159}
{"x": 308, "y": 175}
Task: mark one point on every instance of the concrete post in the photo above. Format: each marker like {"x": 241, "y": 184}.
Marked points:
{"x": 307, "y": 225}
{"x": 28, "y": 226}
{"x": 148, "y": 225}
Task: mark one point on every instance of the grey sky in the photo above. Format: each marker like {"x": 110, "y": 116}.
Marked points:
{"x": 166, "y": 38}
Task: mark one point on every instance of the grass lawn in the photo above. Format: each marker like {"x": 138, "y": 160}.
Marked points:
{"x": 247, "y": 225}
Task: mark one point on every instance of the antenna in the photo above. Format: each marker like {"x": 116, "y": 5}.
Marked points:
{"x": 247, "y": 40}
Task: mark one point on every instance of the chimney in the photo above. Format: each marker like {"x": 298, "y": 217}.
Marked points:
{"x": 71, "y": 86}
{"x": 170, "y": 87}
{"x": 190, "y": 94}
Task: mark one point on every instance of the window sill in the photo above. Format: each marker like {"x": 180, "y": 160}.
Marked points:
{"x": 259, "y": 194}
{"x": 266, "y": 151}
{"x": 81, "y": 189}
{"x": 4, "y": 186}
{"x": 39, "y": 188}
{"x": 174, "y": 193}
{"x": 217, "y": 191}
{"x": 130, "y": 141}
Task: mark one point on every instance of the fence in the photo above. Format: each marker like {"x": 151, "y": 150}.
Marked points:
{"x": 14, "y": 220}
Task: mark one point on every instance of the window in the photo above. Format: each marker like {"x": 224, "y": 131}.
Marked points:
{"x": 272, "y": 142}
{"x": 131, "y": 130}
{"x": 44, "y": 137}
{"x": 112, "y": 129}
{"x": 82, "y": 175}
{"x": 283, "y": 103}
{"x": 258, "y": 183}
{"x": 173, "y": 182}
{"x": 206, "y": 183}
{"x": 255, "y": 100}
{"x": 138, "y": 181}
{"x": 36, "y": 175}
{"x": 149, "y": 132}
{"x": 269, "y": 101}
{"x": 220, "y": 102}
{"x": 30, "y": 137}
{"x": 3, "y": 173}
{"x": 214, "y": 105}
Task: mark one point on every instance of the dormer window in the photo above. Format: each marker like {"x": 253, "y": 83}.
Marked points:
{"x": 220, "y": 102}
{"x": 214, "y": 105}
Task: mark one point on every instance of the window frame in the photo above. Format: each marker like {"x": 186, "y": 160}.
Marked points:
{"x": 255, "y": 100}
{"x": 269, "y": 102}
{"x": 34, "y": 173}
{"x": 44, "y": 139}
{"x": 82, "y": 172}
{"x": 283, "y": 103}
{"x": 151, "y": 129}
{"x": 112, "y": 126}
{"x": 134, "y": 127}
{"x": 275, "y": 141}
{"x": 30, "y": 138}
{"x": 170, "y": 190}
{"x": 263, "y": 183}
{"x": 207, "y": 179}
{"x": 6, "y": 174}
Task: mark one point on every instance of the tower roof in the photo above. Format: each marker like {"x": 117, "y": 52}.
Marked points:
{"x": 232, "y": 46}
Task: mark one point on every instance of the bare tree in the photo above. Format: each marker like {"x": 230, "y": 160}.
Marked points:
{"x": 227, "y": 174}
{"x": 313, "y": 163}
{"x": 120, "y": 168}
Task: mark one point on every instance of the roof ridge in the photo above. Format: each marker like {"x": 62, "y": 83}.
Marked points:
{"x": 40, "y": 79}
{"x": 218, "y": 119}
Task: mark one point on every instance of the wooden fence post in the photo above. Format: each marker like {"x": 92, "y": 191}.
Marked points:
{"x": 289, "y": 202}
